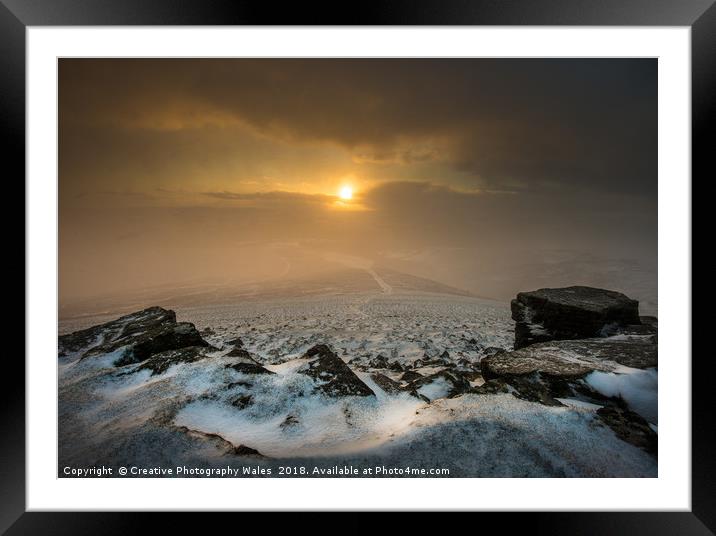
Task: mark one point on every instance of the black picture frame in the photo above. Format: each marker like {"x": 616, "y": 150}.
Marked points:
{"x": 699, "y": 15}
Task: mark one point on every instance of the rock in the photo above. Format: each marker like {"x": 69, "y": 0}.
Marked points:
{"x": 492, "y": 350}
{"x": 237, "y": 342}
{"x": 491, "y": 387}
{"x": 395, "y": 367}
{"x": 572, "y": 358}
{"x": 445, "y": 355}
{"x": 289, "y": 422}
{"x": 125, "y": 326}
{"x": 207, "y": 331}
{"x": 443, "y": 384}
{"x": 242, "y": 401}
{"x": 333, "y": 376}
{"x": 471, "y": 375}
{"x": 221, "y": 443}
{"x": 546, "y": 371}
{"x": 138, "y": 336}
{"x": 243, "y": 450}
{"x": 636, "y": 329}
{"x": 385, "y": 383}
{"x": 379, "y": 362}
{"x": 410, "y": 376}
{"x": 163, "y": 338}
{"x": 238, "y": 352}
{"x": 570, "y": 313}
{"x": 630, "y": 427}
{"x": 535, "y": 387}
{"x": 160, "y": 363}
{"x": 247, "y": 365}
{"x": 649, "y": 321}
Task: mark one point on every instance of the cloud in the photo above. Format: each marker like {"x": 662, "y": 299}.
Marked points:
{"x": 531, "y": 123}
{"x": 273, "y": 196}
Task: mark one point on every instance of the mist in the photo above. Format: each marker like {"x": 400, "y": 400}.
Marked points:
{"x": 489, "y": 176}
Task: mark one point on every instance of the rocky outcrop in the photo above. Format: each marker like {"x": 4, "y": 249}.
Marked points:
{"x": 333, "y": 377}
{"x": 570, "y": 313}
{"x": 136, "y": 337}
{"x": 561, "y": 336}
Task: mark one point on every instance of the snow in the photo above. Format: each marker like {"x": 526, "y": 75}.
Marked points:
{"x": 438, "y": 388}
{"x": 325, "y": 425}
{"x": 638, "y": 388}
{"x": 114, "y": 415}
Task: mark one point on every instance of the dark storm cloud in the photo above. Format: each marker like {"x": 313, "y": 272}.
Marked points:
{"x": 530, "y": 124}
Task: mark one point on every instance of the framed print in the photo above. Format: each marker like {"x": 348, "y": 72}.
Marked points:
{"x": 414, "y": 261}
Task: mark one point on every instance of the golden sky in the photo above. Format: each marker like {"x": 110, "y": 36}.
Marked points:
{"x": 173, "y": 170}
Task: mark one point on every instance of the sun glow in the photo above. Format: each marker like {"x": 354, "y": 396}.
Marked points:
{"x": 346, "y": 193}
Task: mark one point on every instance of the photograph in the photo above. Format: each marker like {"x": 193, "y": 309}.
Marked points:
{"x": 357, "y": 267}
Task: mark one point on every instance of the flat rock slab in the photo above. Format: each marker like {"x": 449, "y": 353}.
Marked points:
{"x": 572, "y": 359}
{"x": 570, "y": 313}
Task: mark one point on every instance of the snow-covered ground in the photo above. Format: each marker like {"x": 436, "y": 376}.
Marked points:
{"x": 117, "y": 416}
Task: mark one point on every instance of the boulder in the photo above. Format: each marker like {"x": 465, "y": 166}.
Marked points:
{"x": 333, "y": 377}
{"x": 570, "y": 313}
{"x": 137, "y": 336}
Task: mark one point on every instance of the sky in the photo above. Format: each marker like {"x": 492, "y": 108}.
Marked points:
{"x": 491, "y": 175}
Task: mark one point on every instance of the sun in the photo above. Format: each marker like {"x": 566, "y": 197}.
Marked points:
{"x": 346, "y": 193}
